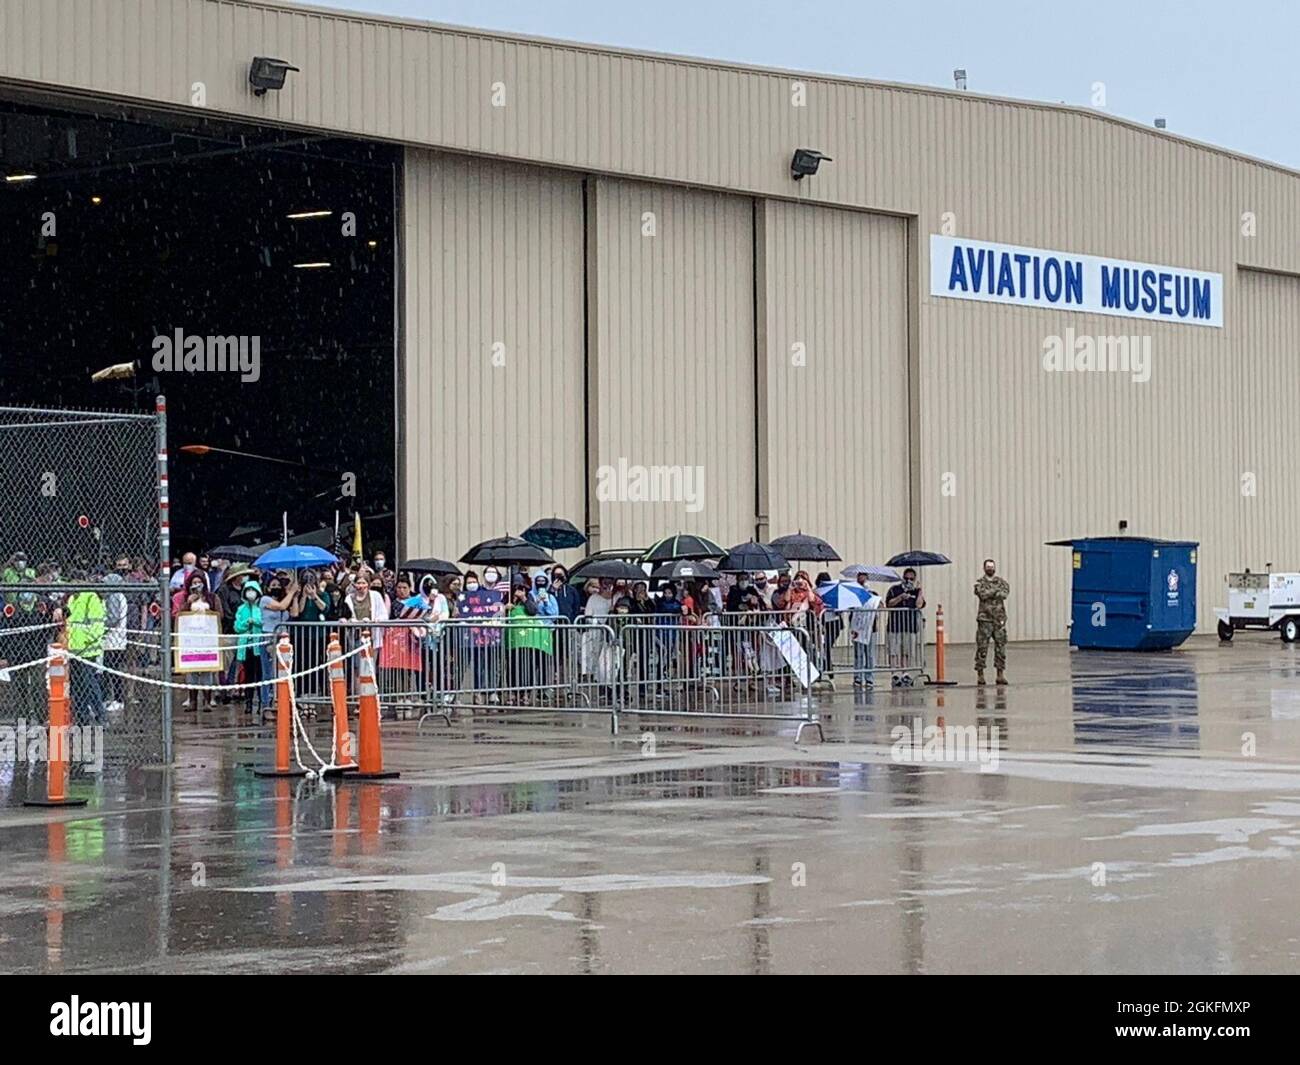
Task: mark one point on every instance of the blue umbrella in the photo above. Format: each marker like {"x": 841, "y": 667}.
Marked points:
{"x": 842, "y": 595}
{"x": 295, "y": 556}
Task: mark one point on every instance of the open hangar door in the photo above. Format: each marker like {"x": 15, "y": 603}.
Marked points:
{"x": 124, "y": 235}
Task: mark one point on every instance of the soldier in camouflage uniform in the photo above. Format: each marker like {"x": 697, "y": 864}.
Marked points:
{"x": 991, "y": 621}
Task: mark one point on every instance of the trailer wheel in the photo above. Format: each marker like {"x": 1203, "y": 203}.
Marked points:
{"x": 1291, "y": 630}
{"x": 1225, "y": 631}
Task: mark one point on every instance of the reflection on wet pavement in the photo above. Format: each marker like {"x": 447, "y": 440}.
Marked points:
{"x": 1143, "y": 816}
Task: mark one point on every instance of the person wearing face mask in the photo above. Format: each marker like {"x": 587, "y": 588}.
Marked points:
{"x": 248, "y": 652}
{"x": 568, "y": 600}
{"x": 484, "y": 603}
{"x": 991, "y": 621}
{"x": 195, "y": 598}
{"x": 230, "y": 597}
{"x": 781, "y": 592}
{"x": 905, "y": 601}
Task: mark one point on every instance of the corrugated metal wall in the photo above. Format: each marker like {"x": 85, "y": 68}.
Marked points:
{"x": 1033, "y": 455}
{"x": 674, "y": 341}
{"x": 494, "y": 435}
{"x": 837, "y": 422}
{"x": 1044, "y": 173}
{"x": 1259, "y": 426}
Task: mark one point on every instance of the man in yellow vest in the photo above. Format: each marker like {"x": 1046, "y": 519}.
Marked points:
{"x": 84, "y": 615}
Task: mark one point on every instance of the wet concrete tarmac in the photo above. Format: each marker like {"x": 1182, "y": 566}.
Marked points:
{"x": 1137, "y": 814}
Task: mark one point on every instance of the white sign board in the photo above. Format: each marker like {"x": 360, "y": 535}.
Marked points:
{"x": 198, "y": 642}
{"x": 1064, "y": 281}
{"x": 795, "y": 657}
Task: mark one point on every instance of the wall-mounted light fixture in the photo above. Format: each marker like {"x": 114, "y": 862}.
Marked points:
{"x": 806, "y": 161}
{"x": 267, "y": 73}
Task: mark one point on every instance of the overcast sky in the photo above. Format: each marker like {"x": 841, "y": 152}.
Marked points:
{"x": 1222, "y": 72}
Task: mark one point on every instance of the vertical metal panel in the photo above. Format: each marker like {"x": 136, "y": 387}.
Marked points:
{"x": 674, "y": 338}
{"x": 1262, "y": 401}
{"x": 493, "y": 256}
{"x": 837, "y": 448}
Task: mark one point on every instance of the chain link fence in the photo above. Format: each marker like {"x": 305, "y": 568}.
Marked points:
{"x": 83, "y": 556}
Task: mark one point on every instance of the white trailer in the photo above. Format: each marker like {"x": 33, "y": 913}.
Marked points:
{"x": 1262, "y": 601}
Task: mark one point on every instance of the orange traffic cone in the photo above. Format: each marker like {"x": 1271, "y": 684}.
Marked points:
{"x": 939, "y": 644}
{"x": 343, "y": 760}
{"x": 283, "y": 714}
{"x": 56, "y": 755}
{"x": 371, "y": 754}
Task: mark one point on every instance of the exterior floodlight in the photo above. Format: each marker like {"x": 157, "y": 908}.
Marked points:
{"x": 959, "y": 79}
{"x": 806, "y": 161}
{"x": 1160, "y": 123}
{"x": 266, "y": 73}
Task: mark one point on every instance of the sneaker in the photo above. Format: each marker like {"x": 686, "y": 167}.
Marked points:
{"x": 447, "y": 699}
{"x": 494, "y": 699}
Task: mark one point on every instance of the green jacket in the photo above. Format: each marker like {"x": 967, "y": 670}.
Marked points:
{"x": 248, "y": 623}
{"x": 85, "y": 624}
{"x": 526, "y": 631}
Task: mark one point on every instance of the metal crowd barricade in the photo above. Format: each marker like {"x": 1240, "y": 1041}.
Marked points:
{"x": 731, "y": 670}
{"x": 869, "y": 646}
{"x": 426, "y": 669}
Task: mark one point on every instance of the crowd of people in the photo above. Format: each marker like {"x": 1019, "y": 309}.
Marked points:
{"x": 481, "y": 631}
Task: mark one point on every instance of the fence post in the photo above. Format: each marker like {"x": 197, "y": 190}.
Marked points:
{"x": 164, "y": 579}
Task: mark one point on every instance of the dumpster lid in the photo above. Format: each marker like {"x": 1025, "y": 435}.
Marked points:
{"x": 1122, "y": 539}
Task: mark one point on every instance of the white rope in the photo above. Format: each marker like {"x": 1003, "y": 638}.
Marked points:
{"x": 200, "y": 687}
{"x": 299, "y": 727}
{"x": 29, "y": 628}
{"x": 6, "y": 670}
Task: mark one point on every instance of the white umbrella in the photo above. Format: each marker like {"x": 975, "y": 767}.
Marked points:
{"x": 875, "y": 574}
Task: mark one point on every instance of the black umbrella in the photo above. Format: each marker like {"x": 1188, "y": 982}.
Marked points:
{"x": 684, "y": 570}
{"x": 801, "y": 548}
{"x": 614, "y": 569}
{"x": 554, "y": 534}
{"x": 234, "y": 553}
{"x": 683, "y": 545}
{"x": 437, "y": 566}
{"x": 750, "y": 557}
{"x": 506, "y": 551}
{"x": 919, "y": 558}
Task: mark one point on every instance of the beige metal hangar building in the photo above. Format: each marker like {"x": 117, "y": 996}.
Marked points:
{"x": 605, "y": 262}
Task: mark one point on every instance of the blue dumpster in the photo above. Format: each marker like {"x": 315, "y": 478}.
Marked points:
{"x": 1131, "y": 593}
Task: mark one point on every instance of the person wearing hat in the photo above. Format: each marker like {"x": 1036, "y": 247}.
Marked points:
{"x": 229, "y": 597}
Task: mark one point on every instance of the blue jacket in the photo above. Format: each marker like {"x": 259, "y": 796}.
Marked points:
{"x": 568, "y": 600}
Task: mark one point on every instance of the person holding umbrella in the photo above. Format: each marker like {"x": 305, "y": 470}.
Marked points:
{"x": 905, "y": 601}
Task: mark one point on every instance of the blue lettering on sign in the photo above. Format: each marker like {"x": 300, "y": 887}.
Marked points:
{"x": 1110, "y": 286}
{"x": 976, "y": 267}
{"x": 957, "y": 274}
{"x": 1007, "y": 274}
{"x": 1052, "y": 279}
{"x": 1073, "y": 282}
{"x": 1148, "y": 290}
{"x": 1201, "y": 298}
